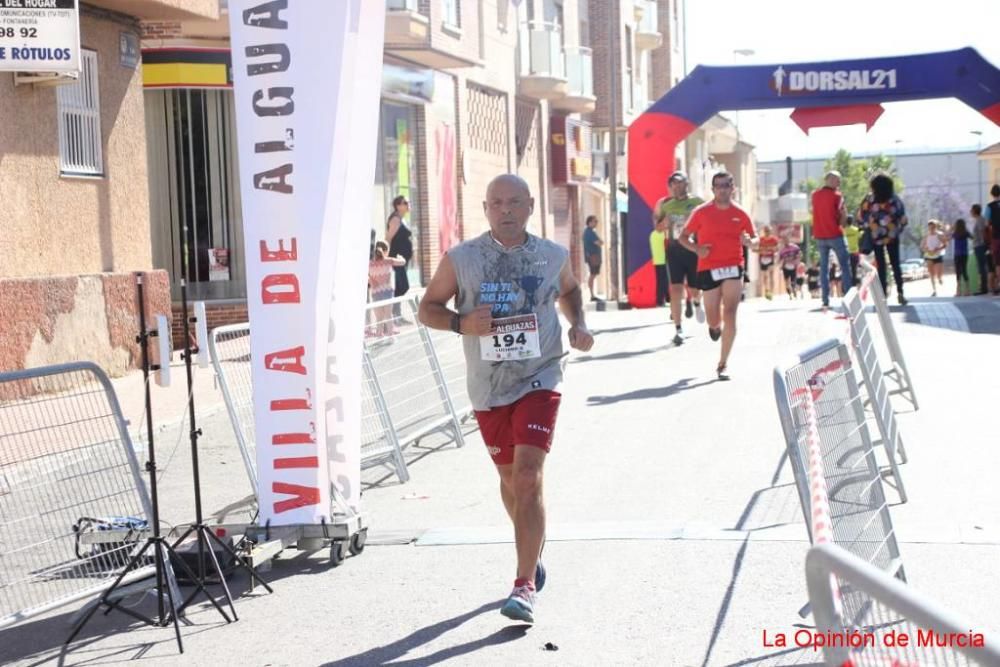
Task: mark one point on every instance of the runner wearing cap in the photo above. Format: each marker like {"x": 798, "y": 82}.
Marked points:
{"x": 682, "y": 264}
{"x": 505, "y": 284}
{"x": 723, "y": 229}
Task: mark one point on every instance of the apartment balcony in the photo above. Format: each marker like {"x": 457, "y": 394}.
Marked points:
{"x": 639, "y": 100}
{"x": 408, "y": 35}
{"x": 647, "y": 33}
{"x": 580, "y": 81}
{"x": 542, "y": 66}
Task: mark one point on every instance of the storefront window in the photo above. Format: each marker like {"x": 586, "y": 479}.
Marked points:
{"x": 397, "y": 175}
{"x": 194, "y": 187}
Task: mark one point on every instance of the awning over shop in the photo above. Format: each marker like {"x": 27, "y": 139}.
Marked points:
{"x": 186, "y": 67}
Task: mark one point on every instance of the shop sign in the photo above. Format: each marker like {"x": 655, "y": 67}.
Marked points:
{"x": 39, "y": 36}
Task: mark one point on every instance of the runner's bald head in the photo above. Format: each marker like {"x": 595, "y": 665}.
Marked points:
{"x": 508, "y": 206}
{"x": 509, "y": 181}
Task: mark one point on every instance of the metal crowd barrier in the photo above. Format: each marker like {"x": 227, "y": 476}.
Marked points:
{"x": 451, "y": 360}
{"x": 859, "y": 513}
{"x": 229, "y": 347}
{"x": 875, "y": 385}
{"x": 856, "y": 623}
{"x": 68, "y": 470}
{"x": 408, "y": 370}
{"x": 895, "y": 370}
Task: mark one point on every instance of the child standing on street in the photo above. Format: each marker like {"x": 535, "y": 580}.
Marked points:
{"x": 380, "y": 269}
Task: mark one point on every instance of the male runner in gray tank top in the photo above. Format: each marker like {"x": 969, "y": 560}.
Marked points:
{"x": 505, "y": 284}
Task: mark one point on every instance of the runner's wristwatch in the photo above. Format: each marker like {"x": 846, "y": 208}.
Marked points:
{"x": 456, "y": 323}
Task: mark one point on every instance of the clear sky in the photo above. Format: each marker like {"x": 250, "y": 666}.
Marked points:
{"x": 790, "y": 31}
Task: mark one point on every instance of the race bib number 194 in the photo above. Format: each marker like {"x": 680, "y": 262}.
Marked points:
{"x": 511, "y": 339}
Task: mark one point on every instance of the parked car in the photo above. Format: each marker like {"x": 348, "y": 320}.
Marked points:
{"x": 913, "y": 269}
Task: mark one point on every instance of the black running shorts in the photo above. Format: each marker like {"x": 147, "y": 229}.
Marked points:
{"x": 683, "y": 265}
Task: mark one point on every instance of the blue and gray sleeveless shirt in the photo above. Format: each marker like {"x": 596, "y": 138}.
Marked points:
{"x": 515, "y": 281}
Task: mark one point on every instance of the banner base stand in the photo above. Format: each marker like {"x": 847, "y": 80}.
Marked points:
{"x": 346, "y": 533}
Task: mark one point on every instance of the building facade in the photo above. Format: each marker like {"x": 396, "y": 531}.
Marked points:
{"x": 73, "y": 182}
{"x": 471, "y": 89}
{"x": 136, "y": 163}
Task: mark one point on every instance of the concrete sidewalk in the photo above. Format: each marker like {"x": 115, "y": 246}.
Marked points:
{"x": 675, "y": 534}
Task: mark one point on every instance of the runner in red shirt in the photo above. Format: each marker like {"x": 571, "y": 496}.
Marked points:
{"x": 767, "y": 251}
{"x": 723, "y": 229}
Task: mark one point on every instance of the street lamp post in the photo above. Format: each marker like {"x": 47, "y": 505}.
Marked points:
{"x": 979, "y": 166}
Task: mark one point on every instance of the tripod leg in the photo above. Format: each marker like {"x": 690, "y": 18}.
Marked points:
{"x": 239, "y": 562}
{"x": 174, "y": 612}
{"x": 104, "y": 597}
{"x": 215, "y": 564}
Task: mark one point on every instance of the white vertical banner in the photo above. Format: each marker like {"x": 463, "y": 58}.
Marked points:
{"x": 294, "y": 65}
{"x": 358, "y": 136}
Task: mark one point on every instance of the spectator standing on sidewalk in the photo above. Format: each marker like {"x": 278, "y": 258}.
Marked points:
{"x": 400, "y": 240}
{"x": 992, "y": 215}
{"x": 829, "y": 219}
{"x": 884, "y": 216}
{"x": 592, "y": 253}
{"x": 505, "y": 284}
{"x": 980, "y": 247}
{"x": 960, "y": 251}
{"x": 380, "y": 268}
{"x": 852, "y": 236}
{"x": 658, "y": 251}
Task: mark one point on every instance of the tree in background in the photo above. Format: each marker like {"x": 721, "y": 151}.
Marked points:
{"x": 855, "y": 174}
{"x": 939, "y": 199}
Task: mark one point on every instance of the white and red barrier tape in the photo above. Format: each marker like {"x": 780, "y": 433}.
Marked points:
{"x": 822, "y": 522}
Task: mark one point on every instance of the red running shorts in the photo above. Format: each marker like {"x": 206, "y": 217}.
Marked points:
{"x": 530, "y": 420}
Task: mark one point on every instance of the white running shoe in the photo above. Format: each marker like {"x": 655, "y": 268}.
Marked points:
{"x": 520, "y": 606}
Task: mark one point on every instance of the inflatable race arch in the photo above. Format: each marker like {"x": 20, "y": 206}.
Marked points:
{"x": 822, "y": 94}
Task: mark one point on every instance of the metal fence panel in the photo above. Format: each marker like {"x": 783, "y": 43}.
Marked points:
{"x": 407, "y": 367}
{"x": 229, "y": 347}
{"x": 858, "y": 508}
{"x": 451, "y": 360}
{"x": 67, "y": 467}
{"x": 896, "y": 368}
{"x": 230, "y": 351}
{"x": 875, "y": 384}
{"x": 872, "y": 604}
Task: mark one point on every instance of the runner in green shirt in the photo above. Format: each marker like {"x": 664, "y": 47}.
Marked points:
{"x": 682, "y": 264}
